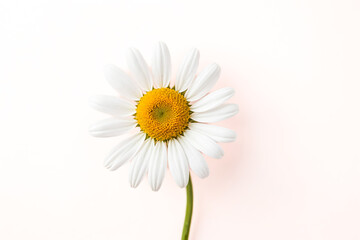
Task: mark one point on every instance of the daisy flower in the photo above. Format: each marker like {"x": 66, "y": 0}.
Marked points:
{"x": 165, "y": 124}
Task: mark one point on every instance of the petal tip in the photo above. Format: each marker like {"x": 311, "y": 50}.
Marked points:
{"x": 204, "y": 174}
{"x": 155, "y": 188}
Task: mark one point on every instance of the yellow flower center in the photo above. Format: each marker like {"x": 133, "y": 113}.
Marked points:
{"x": 163, "y": 113}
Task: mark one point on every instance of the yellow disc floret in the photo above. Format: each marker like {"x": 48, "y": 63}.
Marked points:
{"x": 163, "y": 114}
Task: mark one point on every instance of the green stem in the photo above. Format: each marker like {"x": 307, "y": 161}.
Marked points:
{"x": 189, "y": 209}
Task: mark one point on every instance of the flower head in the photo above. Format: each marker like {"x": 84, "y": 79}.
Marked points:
{"x": 165, "y": 125}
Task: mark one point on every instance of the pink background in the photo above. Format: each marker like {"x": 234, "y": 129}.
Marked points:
{"x": 293, "y": 173}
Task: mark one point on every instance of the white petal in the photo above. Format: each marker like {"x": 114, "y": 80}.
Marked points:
{"x": 139, "y": 69}
{"x": 204, "y": 144}
{"x": 203, "y": 83}
{"x": 111, "y": 127}
{"x": 178, "y": 163}
{"x": 213, "y": 100}
{"x": 112, "y": 105}
{"x": 124, "y": 151}
{"x": 121, "y": 82}
{"x": 196, "y": 160}
{"x": 217, "y": 133}
{"x": 162, "y": 65}
{"x": 157, "y": 166}
{"x": 187, "y": 70}
{"x": 216, "y": 114}
{"x": 140, "y": 163}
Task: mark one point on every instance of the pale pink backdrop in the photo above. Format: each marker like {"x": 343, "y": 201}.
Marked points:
{"x": 293, "y": 173}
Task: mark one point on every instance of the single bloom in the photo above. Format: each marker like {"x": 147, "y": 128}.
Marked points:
{"x": 166, "y": 125}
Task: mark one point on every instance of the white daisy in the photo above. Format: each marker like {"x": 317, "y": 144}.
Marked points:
{"x": 165, "y": 125}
